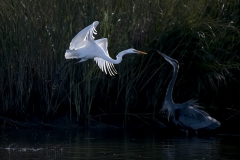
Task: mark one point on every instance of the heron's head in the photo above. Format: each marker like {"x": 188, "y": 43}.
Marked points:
{"x": 132, "y": 50}
{"x": 169, "y": 59}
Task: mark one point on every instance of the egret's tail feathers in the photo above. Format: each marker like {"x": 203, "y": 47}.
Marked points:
{"x": 71, "y": 54}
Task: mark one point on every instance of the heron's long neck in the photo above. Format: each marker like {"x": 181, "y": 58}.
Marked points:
{"x": 171, "y": 84}
{"x": 119, "y": 57}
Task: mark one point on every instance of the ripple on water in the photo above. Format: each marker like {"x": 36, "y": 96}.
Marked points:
{"x": 113, "y": 144}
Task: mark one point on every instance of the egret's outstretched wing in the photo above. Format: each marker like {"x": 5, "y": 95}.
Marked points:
{"x": 83, "y": 36}
{"x": 104, "y": 65}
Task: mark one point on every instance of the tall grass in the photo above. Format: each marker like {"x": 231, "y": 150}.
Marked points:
{"x": 203, "y": 36}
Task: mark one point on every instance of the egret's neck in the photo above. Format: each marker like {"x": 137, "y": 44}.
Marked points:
{"x": 119, "y": 57}
{"x": 168, "y": 97}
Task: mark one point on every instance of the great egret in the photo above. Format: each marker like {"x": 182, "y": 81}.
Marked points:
{"x": 84, "y": 47}
{"x": 186, "y": 115}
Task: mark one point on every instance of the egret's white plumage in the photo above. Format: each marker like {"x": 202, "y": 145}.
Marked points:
{"x": 84, "y": 47}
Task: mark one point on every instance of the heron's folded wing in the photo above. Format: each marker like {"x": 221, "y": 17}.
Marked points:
{"x": 104, "y": 65}
{"x": 197, "y": 119}
{"x": 83, "y": 36}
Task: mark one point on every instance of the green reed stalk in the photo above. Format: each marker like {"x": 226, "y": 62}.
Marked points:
{"x": 202, "y": 35}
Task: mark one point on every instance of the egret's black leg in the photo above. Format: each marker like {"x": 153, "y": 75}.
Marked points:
{"x": 58, "y": 73}
{"x": 60, "y": 70}
{"x": 59, "y": 82}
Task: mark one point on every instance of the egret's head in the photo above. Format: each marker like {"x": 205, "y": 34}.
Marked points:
{"x": 132, "y": 50}
{"x": 169, "y": 59}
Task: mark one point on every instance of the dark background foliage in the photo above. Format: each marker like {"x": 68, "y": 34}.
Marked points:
{"x": 202, "y": 35}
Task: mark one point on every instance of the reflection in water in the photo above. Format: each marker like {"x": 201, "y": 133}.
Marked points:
{"x": 113, "y": 144}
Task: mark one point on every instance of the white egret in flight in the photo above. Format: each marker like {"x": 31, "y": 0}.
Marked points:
{"x": 84, "y": 47}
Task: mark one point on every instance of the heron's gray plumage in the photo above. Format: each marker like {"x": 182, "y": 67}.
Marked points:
{"x": 187, "y": 115}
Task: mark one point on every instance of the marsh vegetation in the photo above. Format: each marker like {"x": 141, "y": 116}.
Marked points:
{"x": 204, "y": 36}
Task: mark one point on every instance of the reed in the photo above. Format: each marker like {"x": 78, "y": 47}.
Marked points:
{"x": 202, "y": 35}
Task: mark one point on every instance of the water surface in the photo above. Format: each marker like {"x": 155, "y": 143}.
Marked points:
{"x": 113, "y": 144}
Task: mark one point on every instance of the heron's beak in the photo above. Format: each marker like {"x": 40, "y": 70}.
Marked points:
{"x": 161, "y": 53}
{"x": 140, "y": 52}
{"x": 165, "y": 56}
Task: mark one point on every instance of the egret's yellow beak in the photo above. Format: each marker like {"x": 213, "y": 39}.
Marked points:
{"x": 140, "y": 52}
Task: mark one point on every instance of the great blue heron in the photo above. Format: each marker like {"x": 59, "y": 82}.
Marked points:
{"x": 185, "y": 115}
{"x": 84, "y": 47}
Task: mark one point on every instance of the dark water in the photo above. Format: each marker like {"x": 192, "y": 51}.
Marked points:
{"x": 114, "y": 144}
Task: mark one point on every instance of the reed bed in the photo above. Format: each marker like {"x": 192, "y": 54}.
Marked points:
{"x": 202, "y": 35}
